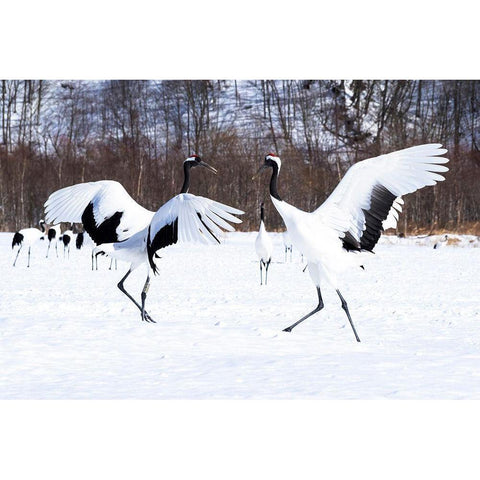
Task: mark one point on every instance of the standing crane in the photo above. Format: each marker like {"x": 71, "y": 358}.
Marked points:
{"x": 263, "y": 246}
{"x": 26, "y": 238}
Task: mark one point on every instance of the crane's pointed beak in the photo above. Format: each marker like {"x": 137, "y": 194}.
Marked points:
{"x": 260, "y": 170}
{"x": 207, "y": 166}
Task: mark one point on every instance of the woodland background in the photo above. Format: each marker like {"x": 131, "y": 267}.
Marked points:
{"x": 55, "y": 133}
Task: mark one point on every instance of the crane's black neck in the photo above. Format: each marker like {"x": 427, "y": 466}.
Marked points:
{"x": 186, "y": 176}
{"x": 273, "y": 181}
{"x": 261, "y": 213}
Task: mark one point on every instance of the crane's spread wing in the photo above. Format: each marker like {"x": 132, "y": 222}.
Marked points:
{"x": 367, "y": 199}
{"x": 189, "y": 218}
{"x": 107, "y": 211}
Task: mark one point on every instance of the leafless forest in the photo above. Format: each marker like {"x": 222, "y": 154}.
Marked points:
{"x": 56, "y": 133}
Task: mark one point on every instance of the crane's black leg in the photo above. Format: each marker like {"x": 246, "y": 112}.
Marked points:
{"x": 28, "y": 264}
{"x": 319, "y": 307}
{"x": 266, "y": 270}
{"x": 261, "y": 272}
{"x": 122, "y": 289}
{"x": 145, "y": 316}
{"x": 345, "y": 307}
{"x": 94, "y": 260}
{"x": 17, "y": 255}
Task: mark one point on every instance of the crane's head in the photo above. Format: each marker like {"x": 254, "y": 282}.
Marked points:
{"x": 195, "y": 161}
{"x": 271, "y": 160}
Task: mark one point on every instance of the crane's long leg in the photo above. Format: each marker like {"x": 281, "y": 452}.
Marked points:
{"x": 345, "y": 307}
{"x": 28, "y": 264}
{"x": 261, "y": 278}
{"x": 319, "y": 307}
{"x": 17, "y": 255}
{"x": 48, "y": 249}
{"x": 266, "y": 270}
{"x": 94, "y": 259}
{"x": 145, "y": 315}
{"x": 144, "y": 297}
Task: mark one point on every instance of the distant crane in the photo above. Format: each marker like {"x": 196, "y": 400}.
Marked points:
{"x": 53, "y": 234}
{"x": 441, "y": 242}
{"x": 26, "y": 238}
{"x": 184, "y": 218}
{"x": 66, "y": 238}
{"x": 263, "y": 246}
{"x": 287, "y": 244}
{"x": 79, "y": 240}
{"x": 350, "y": 221}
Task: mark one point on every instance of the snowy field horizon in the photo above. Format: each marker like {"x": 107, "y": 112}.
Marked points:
{"x": 67, "y": 332}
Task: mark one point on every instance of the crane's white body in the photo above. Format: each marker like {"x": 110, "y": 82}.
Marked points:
{"x": 263, "y": 247}
{"x": 263, "y": 244}
{"x": 29, "y": 237}
{"x": 319, "y": 244}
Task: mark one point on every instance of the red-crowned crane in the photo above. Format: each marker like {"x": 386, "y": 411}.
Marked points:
{"x": 66, "y": 238}
{"x": 263, "y": 246}
{"x": 53, "y": 235}
{"x": 107, "y": 211}
{"x": 26, "y": 238}
{"x": 351, "y": 220}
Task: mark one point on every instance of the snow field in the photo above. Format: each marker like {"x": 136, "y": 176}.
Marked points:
{"x": 69, "y": 333}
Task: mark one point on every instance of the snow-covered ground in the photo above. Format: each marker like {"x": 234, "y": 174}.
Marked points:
{"x": 67, "y": 332}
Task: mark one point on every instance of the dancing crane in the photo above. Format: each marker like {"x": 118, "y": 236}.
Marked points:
{"x": 184, "y": 218}
{"x": 263, "y": 246}
{"x": 349, "y": 222}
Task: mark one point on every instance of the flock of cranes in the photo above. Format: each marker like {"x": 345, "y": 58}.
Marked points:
{"x": 340, "y": 234}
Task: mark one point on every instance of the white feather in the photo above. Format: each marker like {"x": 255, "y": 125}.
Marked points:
{"x": 401, "y": 172}
{"x": 107, "y": 197}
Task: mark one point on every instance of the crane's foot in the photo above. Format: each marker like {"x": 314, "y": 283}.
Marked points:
{"x": 147, "y": 318}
